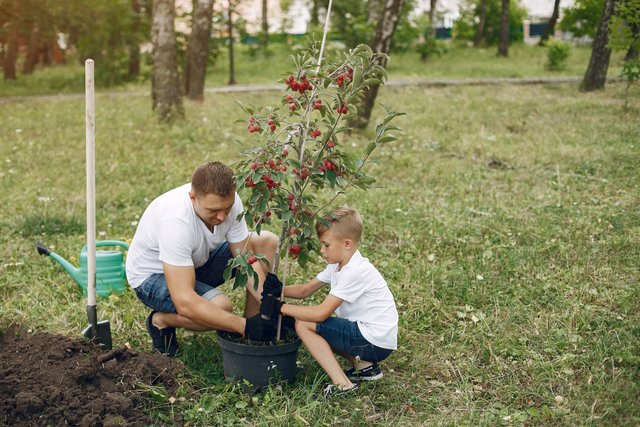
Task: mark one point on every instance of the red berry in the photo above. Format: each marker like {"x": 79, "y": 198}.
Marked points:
{"x": 285, "y": 152}
{"x": 273, "y": 128}
{"x": 295, "y": 250}
{"x": 330, "y": 144}
{"x": 252, "y": 259}
{"x": 292, "y": 106}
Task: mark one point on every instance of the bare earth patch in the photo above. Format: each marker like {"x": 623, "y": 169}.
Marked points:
{"x": 48, "y": 379}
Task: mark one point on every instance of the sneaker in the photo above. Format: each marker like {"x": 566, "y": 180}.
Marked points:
{"x": 164, "y": 340}
{"x": 332, "y": 390}
{"x": 370, "y": 373}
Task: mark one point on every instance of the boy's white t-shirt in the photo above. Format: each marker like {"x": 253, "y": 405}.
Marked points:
{"x": 171, "y": 232}
{"x": 367, "y": 300}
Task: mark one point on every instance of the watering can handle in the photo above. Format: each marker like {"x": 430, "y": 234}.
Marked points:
{"x": 100, "y": 243}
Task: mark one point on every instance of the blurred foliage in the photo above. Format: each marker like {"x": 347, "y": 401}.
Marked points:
{"x": 557, "y": 54}
{"x": 466, "y": 26}
{"x": 582, "y": 18}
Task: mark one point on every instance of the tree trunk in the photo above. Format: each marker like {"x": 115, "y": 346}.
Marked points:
{"x": 380, "y": 42}
{"x": 195, "y": 67}
{"x": 165, "y": 83}
{"x": 314, "y": 13}
{"x": 551, "y": 25}
{"x": 32, "y": 50}
{"x": 265, "y": 26}
{"x": 432, "y": 17}
{"x": 134, "y": 48}
{"x": 232, "y": 78}
{"x": 374, "y": 11}
{"x": 596, "y": 74}
{"x": 11, "y": 56}
{"x": 632, "y": 52}
{"x": 503, "y": 47}
{"x": 480, "y": 30}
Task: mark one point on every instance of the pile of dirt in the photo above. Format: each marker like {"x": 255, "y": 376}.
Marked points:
{"x": 48, "y": 379}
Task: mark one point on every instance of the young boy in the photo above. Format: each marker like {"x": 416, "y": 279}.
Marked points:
{"x": 365, "y": 328}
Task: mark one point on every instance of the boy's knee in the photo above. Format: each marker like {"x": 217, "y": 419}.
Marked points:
{"x": 303, "y": 327}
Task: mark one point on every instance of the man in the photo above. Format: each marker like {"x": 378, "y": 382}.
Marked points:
{"x": 179, "y": 252}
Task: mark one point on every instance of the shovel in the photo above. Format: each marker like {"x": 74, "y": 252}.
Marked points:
{"x": 98, "y": 332}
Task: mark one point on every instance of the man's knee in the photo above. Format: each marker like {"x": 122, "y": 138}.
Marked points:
{"x": 266, "y": 240}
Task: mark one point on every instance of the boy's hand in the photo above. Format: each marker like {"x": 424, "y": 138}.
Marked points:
{"x": 272, "y": 286}
{"x": 270, "y": 306}
{"x": 259, "y": 329}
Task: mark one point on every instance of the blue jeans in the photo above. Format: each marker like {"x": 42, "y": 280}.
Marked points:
{"x": 344, "y": 336}
{"x": 154, "y": 292}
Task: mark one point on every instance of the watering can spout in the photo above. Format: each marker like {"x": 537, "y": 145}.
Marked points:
{"x": 73, "y": 271}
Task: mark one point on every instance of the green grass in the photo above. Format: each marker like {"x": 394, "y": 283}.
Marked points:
{"x": 505, "y": 220}
{"x": 458, "y": 62}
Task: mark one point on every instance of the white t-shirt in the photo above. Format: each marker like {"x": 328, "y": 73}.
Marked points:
{"x": 171, "y": 232}
{"x": 367, "y": 300}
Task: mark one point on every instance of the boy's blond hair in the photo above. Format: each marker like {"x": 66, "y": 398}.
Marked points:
{"x": 344, "y": 222}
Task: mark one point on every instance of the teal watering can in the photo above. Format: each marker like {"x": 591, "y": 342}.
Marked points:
{"x": 110, "y": 268}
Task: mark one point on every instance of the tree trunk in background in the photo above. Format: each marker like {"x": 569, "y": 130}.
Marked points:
{"x": 480, "y": 30}
{"x": 551, "y": 25}
{"x": 432, "y": 16}
{"x": 265, "y": 26}
{"x": 11, "y": 56}
{"x": 596, "y": 74}
{"x": 165, "y": 83}
{"x": 374, "y": 11}
{"x": 503, "y": 47}
{"x": 31, "y": 60}
{"x": 380, "y": 42}
{"x": 134, "y": 48}
{"x": 632, "y": 52}
{"x": 232, "y": 77}
{"x": 195, "y": 67}
{"x": 314, "y": 13}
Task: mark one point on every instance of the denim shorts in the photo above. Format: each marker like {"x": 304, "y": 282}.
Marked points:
{"x": 154, "y": 293}
{"x": 344, "y": 336}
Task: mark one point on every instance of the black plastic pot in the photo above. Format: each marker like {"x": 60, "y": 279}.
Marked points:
{"x": 258, "y": 364}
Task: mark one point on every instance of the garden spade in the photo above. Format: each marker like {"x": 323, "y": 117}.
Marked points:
{"x": 98, "y": 332}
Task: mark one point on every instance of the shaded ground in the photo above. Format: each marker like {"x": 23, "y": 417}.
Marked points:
{"x": 48, "y": 379}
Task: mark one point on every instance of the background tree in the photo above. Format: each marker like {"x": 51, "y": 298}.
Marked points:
{"x": 551, "y": 25}
{"x": 12, "y": 10}
{"x": 582, "y": 18}
{"x": 165, "y": 83}
{"x": 432, "y": 16}
{"x": 482, "y": 17}
{"x": 466, "y": 26}
{"x": 231, "y": 8}
{"x": 624, "y": 36}
{"x": 503, "y": 46}
{"x": 195, "y": 65}
{"x": 380, "y": 43}
{"x": 264, "y": 36}
{"x": 596, "y": 75}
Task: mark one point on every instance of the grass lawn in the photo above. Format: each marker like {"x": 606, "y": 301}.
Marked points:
{"x": 457, "y": 63}
{"x": 505, "y": 220}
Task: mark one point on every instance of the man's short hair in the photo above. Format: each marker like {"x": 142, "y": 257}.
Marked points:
{"x": 343, "y": 222}
{"x": 213, "y": 178}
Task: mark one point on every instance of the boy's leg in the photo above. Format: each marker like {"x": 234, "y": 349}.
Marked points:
{"x": 321, "y": 351}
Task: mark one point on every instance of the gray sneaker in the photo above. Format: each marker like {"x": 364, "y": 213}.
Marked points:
{"x": 332, "y": 390}
{"x": 370, "y": 373}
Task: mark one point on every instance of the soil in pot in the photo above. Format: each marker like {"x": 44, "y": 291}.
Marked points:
{"x": 259, "y": 363}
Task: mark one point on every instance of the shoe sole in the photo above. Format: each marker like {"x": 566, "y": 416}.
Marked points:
{"x": 368, "y": 378}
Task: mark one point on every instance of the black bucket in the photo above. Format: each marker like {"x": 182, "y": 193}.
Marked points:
{"x": 258, "y": 364}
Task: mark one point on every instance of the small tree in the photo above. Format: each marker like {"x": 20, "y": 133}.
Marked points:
{"x": 299, "y": 167}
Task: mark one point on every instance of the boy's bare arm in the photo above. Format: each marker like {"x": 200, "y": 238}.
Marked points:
{"x": 303, "y": 291}
{"x": 313, "y": 313}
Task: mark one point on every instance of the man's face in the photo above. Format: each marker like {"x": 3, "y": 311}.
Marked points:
{"x": 211, "y": 208}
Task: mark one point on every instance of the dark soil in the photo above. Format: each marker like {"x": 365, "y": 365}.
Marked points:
{"x": 48, "y": 379}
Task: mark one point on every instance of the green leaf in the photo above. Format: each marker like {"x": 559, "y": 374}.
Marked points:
{"x": 227, "y": 272}
{"x": 241, "y": 279}
{"x": 370, "y": 147}
{"x": 387, "y": 139}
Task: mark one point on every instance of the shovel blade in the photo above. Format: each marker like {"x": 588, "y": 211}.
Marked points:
{"x": 99, "y": 333}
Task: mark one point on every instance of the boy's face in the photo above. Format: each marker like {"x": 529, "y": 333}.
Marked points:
{"x": 334, "y": 249}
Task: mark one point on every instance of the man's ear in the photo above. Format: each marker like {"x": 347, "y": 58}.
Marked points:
{"x": 192, "y": 196}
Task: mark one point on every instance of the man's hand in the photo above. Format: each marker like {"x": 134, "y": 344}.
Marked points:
{"x": 259, "y": 329}
{"x": 272, "y": 286}
{"x": 270, "y": 306}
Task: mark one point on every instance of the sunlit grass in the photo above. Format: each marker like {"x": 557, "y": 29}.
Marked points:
{"x": 505, "y": 221}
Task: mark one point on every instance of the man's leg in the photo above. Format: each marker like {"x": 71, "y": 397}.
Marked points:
{"x": 167, "y": 320}
{"x": 265, "y": 243}
{"x": 321, "y": 351}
